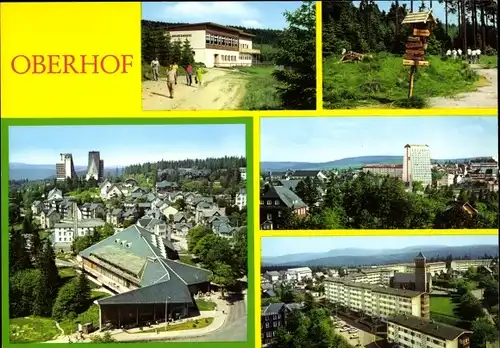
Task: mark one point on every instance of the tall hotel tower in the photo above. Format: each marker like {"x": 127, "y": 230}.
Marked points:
{"x": 65, "y": 168}
{"x": 417, "y": 164}
{"x": 95, "y": 167}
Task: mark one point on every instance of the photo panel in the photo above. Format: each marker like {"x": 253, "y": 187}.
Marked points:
{"x": 135, "y": 232}
{"x": 380, "y": 291}
{"x": 410, "y": 54}
{"x": 379, "y": 173}
{"x": 228, "y": 55}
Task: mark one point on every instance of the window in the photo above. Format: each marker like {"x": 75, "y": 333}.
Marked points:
{"x": 276, "y": 202}
{"x": 269, "y": 216}
{"x": 269, "y": 202}
{"x": 267, "y": 325}
{"x": 262, "y": 202}
{"x": 279, "y": 213}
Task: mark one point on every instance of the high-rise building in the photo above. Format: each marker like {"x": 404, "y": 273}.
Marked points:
{"x": 95, "y": 167}
{"x": 417, "y": 164}
{"x": 66, "y": 168}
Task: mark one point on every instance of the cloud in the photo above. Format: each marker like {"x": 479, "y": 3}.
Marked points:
{"x": 251, "y": 23}
{"x": 210, "y": 11}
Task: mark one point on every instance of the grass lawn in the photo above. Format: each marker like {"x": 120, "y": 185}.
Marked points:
{"x": 67, "y": 272}
{"x": 261, "y": 89}
{"x": 442, "y": 310}
{"x": 187, "y": 259}
{"x": 188, "y": 325}
{"x": 205, "y": 305}
{"x": 32, "y": 330}
{"x": 384, "y": 81}
{"x": 489, "y": 62}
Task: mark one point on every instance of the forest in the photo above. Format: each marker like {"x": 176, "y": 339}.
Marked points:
{"x": 362, "y": 27}
{"x": 374, "y": 202}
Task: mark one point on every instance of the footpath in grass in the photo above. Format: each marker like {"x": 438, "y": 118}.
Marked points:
{"x": 384, "y": 81}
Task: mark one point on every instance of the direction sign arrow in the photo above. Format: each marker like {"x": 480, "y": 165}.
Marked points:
{"x": 415, "y": 52}
{"x": 414, "y": 44}
{"x": 421, "y": 32}
{"x": 412, "y": 57}
{"x": 415, "y": 62}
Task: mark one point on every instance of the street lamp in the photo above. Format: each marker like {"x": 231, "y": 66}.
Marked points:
{"x": 166, "y": 312}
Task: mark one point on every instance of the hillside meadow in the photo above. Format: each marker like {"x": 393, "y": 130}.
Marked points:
{"x": 383, "y": 81}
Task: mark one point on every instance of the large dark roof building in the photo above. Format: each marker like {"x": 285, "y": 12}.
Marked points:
{"x": 143, "y": 270}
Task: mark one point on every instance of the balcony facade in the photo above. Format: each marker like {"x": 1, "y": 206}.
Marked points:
{"x": 249, "y": 50}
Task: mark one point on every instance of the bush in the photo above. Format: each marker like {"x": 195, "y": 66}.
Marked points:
{"x": 490, "y": 51}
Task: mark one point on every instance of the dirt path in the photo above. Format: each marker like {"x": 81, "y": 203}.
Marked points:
{"x": 483, "y": 97}
{"x": 221, "y": 90}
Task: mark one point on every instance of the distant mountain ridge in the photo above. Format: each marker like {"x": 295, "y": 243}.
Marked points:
{"x": 24, "y": 171}
{"x": 359, "y": 257}
{"x": 343, "y": 163}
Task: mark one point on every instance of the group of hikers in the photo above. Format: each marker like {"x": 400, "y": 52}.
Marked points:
{"x": 172, "y": 71}
{"x": 473, "y": 56}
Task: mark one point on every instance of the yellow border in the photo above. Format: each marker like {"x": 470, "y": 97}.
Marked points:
{"x": 256, "y": 224}
{"x": 374, "y": 233}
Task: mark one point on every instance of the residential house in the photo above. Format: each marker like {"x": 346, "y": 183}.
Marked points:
{"x": 182, "y": 228}
{"x": 273, "y": 200}
{"x": 313, "y": 174}
{"x": 205, "y": 211}
{"x": 166, "y": 186}
{"x": 241, "y": 199}
{"x": 64, "y": 232}
{"x": 273, "y": 316}
{"x": 156, "y": 226}
{"x": 243, "y": 173}
{"x": 299, "y": 274}
{"x": 272, "y": 276}
{"x": 36, "y": 208}
{"x": 114, "y": 217}
{"x": 169, "y": 211}
{"x": 48, "y": 218}
{"x": 54, "y": 195}
{"x": 113, "y": 191}
{"x": 92, "y": 210}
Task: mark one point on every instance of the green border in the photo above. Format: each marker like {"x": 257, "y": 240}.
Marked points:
{"x": 247, "y": 121}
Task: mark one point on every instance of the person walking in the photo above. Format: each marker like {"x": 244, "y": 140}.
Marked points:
{"x": 199, "y": 75}
{"x": 176, "y": 68}
{"x": 155, "y": 66}
{"x": 448, "y": 54}
{"x": 473, "y": 55}
{"x": 478, "y": 55}
{"x": 189, "y": 72}
{"x": 469, "y": 55}
{"x": 459, "y": 52}
{"x": 454, "y": 54}
{"x": 171, "y": 82}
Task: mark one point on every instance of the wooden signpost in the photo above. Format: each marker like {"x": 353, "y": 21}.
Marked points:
{"x": 415, "y": 45}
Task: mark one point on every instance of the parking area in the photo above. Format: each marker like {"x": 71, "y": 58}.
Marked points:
{"x": 354, "y": 335}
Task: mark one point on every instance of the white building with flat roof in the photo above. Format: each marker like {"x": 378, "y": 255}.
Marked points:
{"x": 216, "y": 45}
{"x": 376, "y": 300}
{"x": 417, "y": 164}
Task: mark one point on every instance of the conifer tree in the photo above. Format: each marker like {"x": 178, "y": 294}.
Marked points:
{"x": 187, "y": 53}
{"x": 19, "y": 258}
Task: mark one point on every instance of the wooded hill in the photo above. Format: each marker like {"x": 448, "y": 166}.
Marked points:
{"x": 365, "y": 28}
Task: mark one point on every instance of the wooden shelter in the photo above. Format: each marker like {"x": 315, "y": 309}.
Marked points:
{"x": 419, "y": 18}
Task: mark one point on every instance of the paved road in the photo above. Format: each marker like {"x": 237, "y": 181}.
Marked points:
{"x": 234, "y": 328}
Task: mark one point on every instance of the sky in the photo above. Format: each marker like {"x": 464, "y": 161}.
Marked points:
{"x": 278, "y": 246}
{"x": 124, "y": 145}
{"x": 258, "y": 14}
{"x": 321, "y": 139}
